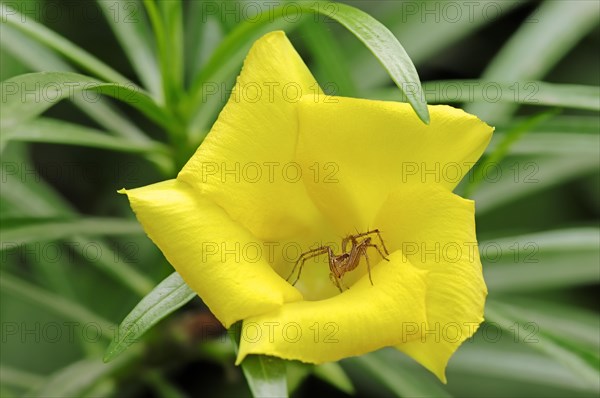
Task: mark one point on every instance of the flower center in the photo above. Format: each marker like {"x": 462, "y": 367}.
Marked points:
{"x": 320, "y": 271}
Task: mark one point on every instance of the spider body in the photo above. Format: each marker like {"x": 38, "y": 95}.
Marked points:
{"x": 348, "y": 260}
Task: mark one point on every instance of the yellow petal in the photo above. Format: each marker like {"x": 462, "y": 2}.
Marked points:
{"x": 210, "y": 251}
{"x": 436, "y": 231}
{"x": 246, "y": 163}
{"x": 366, "y": 149}
{"x": 362, "y": 319}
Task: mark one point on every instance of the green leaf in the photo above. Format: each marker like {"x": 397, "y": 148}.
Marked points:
{"x": 552, "y": 259}
{"x": 503, "y": 147}
{"x": 537, "y": 143}
{"x": 35, "y": 198}
{"x": 426, "y": 30}
{"x": 26, "y": 96}
{"x": 517, "y": 177}
{"x": 520, "y": 92}
{"x": 386, "y": 48}
{"x": 510, "y": 319}
{"x": 31, "y": 197}
{"x": 172, "y": 15}
{"x": 266, "y": 376}
{"x": 400, "y": 380}
{"x": 492, "y": 92}
{"x": 571, "y": 124}
{"x": 166, "y": 18}
{"x": 329, "y": 58}
{"x": 516, "y": 365}
{"x": 47, "y": 37}
{"x": 117, "y": 266}
{"x": 378, "y": 39}
{"x": 60, "y": 132}
{"x": 23, "y": 231}
{"x": 296, "y": 373}
{"x": 545, "y": 37}
{"x": 569, "y": 323}
{"x": 166, "y": 297}
{"x": 79, "y": 378}
{"x": 40, "y": 58}
{"x": 59, "y": 305}
{"x": 334, "y": 374}
{"x": 131, "y": 28}
{"x": 43, "y": 89}
{"x": 201, "y": 39}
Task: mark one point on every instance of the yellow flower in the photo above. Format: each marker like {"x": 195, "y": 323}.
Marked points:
{"x": 286, "y": 169}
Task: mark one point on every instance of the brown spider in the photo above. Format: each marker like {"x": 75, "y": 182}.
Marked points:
{"x": 345, "y": 262}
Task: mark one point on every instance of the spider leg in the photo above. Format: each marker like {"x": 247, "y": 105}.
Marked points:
{"x": 343, "y": 284}
{"x": 364, "y": 252}
{"x": 379, "y": 251}
{"x": 378, "y": 233}
{"x": 345, "y": 242}
{"x": 335, "y": 281}
{"x": 306, "y": 256}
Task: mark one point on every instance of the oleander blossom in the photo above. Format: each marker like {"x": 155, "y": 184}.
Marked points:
{"x": 285, "y": 169}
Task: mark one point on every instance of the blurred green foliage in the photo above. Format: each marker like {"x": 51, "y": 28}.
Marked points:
{"x": 82, "y": 263}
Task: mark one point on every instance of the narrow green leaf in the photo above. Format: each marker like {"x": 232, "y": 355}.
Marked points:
{"x": 40, "y": 58}
{"x": 166, "y": 19}
{"x": 329, "y": 58}
{"x": 400, "y": 380}
{"x": 552, "y": 259}
{"x": 509, "y": 319}
{"x": 378, "y": 39}
{"x": 537, "y": 143}
{"x": 296, "y": 373}
{"x": 542, "y": 40}
{"x": 512, "y": 363}
{"x": 578, "y": 325}
{"x": 201, "y": 38}
{"x": 521, "y": 92}
{"x": 115, "y": 265}
{"x": 266, "y": 375}
{"x": 32, "y": 54}
{"x": 135, "y": 97}
{"x": 172, "y": 15}
{"x": 334, "y": 374}
{"x": 75, "y": 54}
{"x": 59, "y": 305}
{"x": 384, "y": 45}
{"x": 517, "y": 177}
{"x": 60, "y": 132}
{"x": 503, "y": 147}
{"x": 169, "y": 295}
{"x": 31, "y": 197}
{"x": 23, "y": 231}
{"x": 131, "y": 28}
{"x": 424, "y": 35}
{"x": 493, "y": 92}
{"x": 571, "y": 124}
{"x": 35, "y": 198}
{"x": 79, "y": 378}
{"x": 26, "y": 96}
